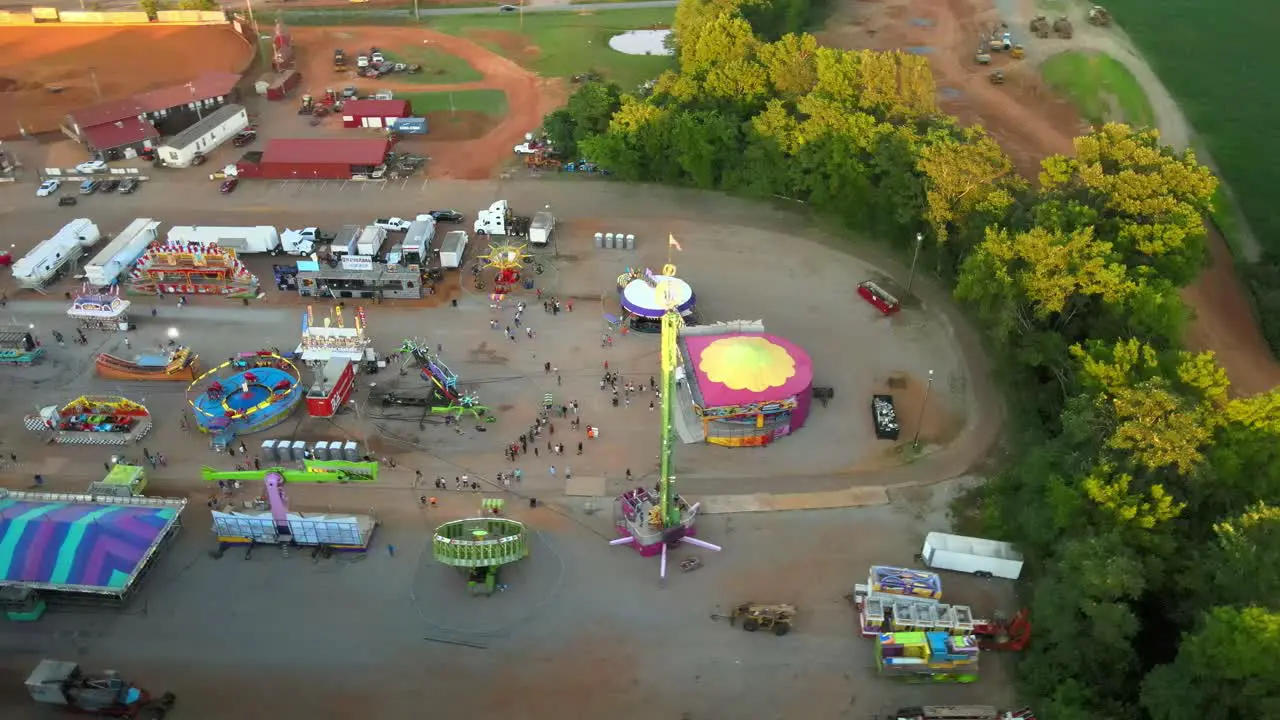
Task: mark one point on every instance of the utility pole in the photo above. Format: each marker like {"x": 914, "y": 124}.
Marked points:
{"x": 522, "y": 16}
{"x": 93, "y": 76}
{"x": 248, "y": 4}
{"x": 924, "y": 404}
{"x": 416, "y": 17}
{"x": 911, "y": 279}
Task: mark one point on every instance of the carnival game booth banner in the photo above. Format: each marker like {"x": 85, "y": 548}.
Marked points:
{"x": 748, "y": 389}
{"x": 93, "y": 420}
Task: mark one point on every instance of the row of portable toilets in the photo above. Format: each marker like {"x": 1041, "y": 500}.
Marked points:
{"x": 284, "y": 451}
{"x": 615, "y": 241}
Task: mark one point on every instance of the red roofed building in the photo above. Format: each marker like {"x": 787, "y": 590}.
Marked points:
{"x": 318, "y": 159}
{"x": 374, "y": 113}
{"x": 115, "y": 129}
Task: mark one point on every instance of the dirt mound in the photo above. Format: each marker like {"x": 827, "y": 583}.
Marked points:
{"x": 459, "y": 125}
{"x": 100, "y": 64}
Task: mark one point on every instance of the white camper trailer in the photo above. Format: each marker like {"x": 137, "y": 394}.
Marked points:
{"x": 121, "y": 253}
{"x": 250, "y": 239}
{"x": 48, "y": 260}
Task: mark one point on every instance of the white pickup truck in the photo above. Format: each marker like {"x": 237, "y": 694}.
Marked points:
{"x": 393, "y": 224}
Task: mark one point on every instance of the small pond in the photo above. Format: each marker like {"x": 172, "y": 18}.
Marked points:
{"x": 641, "y": 42}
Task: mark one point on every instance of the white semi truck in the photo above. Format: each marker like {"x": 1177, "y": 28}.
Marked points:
{"x": 540, "y": 230}
{"x": 250, "y": 239}
{"x": 977, "y": 556}
{"x": 494, "y": 221}
{"x": 48, "y": 260}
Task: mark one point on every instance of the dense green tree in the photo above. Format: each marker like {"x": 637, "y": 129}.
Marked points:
{"x": 588, "y": 113}
{"x": 1226, "y": 669}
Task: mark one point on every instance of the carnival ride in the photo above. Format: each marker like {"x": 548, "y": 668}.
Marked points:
{"x": 507, "y": 261}
{"x": 268, "y": 519}
{"x": 654, "y": 522}
{"x": 92, "y": 420}
{"x": 99, "y": 312}
{"x": 246, "y": 394}
{"x": 481, "y": 546}
{"x": 443, "y": 396}
{"x": 191, "y": 269}
{"x": 18, "y": 346}
{"x": 332, "y": 339}
{"x": 646, "y": 297}
{"x": 177, "y": 364}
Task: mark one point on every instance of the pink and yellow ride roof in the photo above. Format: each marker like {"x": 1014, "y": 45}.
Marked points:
{"x": 743, "y": 368}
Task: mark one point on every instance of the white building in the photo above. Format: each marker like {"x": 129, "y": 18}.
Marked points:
{"x": 200, "y": 139}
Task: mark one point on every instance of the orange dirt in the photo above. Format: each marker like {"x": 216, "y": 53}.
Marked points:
{"x": 1031, "y": 122}
{"x": 459, "y": 125}
{"x": 457, "y": 152}
{"x": 35, "y": 61}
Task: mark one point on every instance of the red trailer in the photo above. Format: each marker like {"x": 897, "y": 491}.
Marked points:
{"x": 284, "y": 82}
{"x": 332, "y": 387}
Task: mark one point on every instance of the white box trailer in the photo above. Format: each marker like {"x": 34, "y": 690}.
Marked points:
{"x": 978, "y": 556}
{"x": 452, "y": 248}
{"x": 250, "y": 239}
{"x": 370, "y": 240}
{"x": 416, "y": 248}
{"x": 540, "y": 230}
{"x": 50, "y": 258}
{"x": 120, "y": 255}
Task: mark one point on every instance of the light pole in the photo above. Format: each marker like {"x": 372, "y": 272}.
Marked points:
{"x": 911, "y": 279}
{"x": 915, "y": 443}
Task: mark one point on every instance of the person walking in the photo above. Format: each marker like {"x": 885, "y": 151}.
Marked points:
{"x": 579, "y": 448}
{"x": 552, "y": 471}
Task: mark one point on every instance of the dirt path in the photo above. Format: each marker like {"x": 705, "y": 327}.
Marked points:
{"x": 477, "y": 155}
{"x": 1031, "y": 122}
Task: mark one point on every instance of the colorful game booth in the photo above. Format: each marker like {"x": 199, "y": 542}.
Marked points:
{"x": 108, "y": 313}
{"x": 246, "y": 394}
{"x": 18, "y": 346}
{"x": 178, "y": 364}
{"x": 71, "y": 546}
{"x": 748, "y": 389}
{"x": 268, "y": 518}
{"x": 92, "y": 420}
{"x": 645, "y": 297}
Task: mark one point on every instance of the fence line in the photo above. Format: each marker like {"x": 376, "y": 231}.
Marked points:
{"x": 53, "y": 17}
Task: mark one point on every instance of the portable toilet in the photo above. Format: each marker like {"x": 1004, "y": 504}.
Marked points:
{"x": 268, "y": 451}
{"x": 599, "y": 240}
{"x": 631, "y": 242}
{"x": 299, "y": 450}
{"x": 608, "y": 241}
{"x": 321, "y": 450}
{"x": 350, "y": 451}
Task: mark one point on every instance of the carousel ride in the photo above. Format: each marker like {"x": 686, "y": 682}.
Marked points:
{"x": 93, "y": 311}
{"x": 245, "y": 394}
{"x": 652, "y": 521}
{"x": 507, "y": 261}
{"x": 481, "y": 546}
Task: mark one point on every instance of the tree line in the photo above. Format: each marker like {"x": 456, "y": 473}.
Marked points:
{"x": 1143, "y": 493}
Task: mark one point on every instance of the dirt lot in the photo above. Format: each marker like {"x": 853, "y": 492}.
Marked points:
{"x": 464, "y": 146}
{"x": 36, "y": 62}
{"x": 1031, "y": 123}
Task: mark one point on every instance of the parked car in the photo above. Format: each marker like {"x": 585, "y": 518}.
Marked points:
{"x": 93, "y": 166}
{"x": 362, "y": 61}
{"x": 451, "y": 216}
{"x": 506, "y": 8}
{"x": 198, "y": 159}
{"x": 67, "y": 201}
{"x": 128, "y": 186}
{"x": 393, "y": 224}
{"x": 89, "y": 187}
{"x": 244, "y": 138}
{"x": 228, "y": 186}
{"x": 107, "y": 186}
{"x": 47, "y": 188}
{"x": 377, "y": 58}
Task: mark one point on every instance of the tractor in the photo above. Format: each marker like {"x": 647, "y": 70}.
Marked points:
{"x": 997, "y": 77}
{"x": 1099, "y": 16}
{"x": 1004, "y": 633}
{"x": 756, "y": 616}
{"x": 1062, "y": 27}
{"x": 307, "y": 106}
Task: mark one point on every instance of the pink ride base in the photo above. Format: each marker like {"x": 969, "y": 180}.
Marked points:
{"x": 652, "y": 549}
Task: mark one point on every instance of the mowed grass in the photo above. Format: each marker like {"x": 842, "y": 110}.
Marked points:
{"x": 438, "y": 68}
{"x": 1218, "y": 60}
{"x": 488, "y": 102}
{"x": 568, "y": 43}
{"x": 1100, "y": 86}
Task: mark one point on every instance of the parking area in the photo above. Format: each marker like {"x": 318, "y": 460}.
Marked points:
{"x": 300, "y": 188}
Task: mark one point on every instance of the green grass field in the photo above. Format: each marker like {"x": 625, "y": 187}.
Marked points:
{"x": 1216, "y": 59}
{"x": 489, "y": 102}
{"x": 1102, "y": 88}
{"x": 438, "y": 68}
{"x": 570, "y": 43}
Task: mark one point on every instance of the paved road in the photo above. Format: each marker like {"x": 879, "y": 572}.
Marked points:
{"x": 531, "y": 8}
